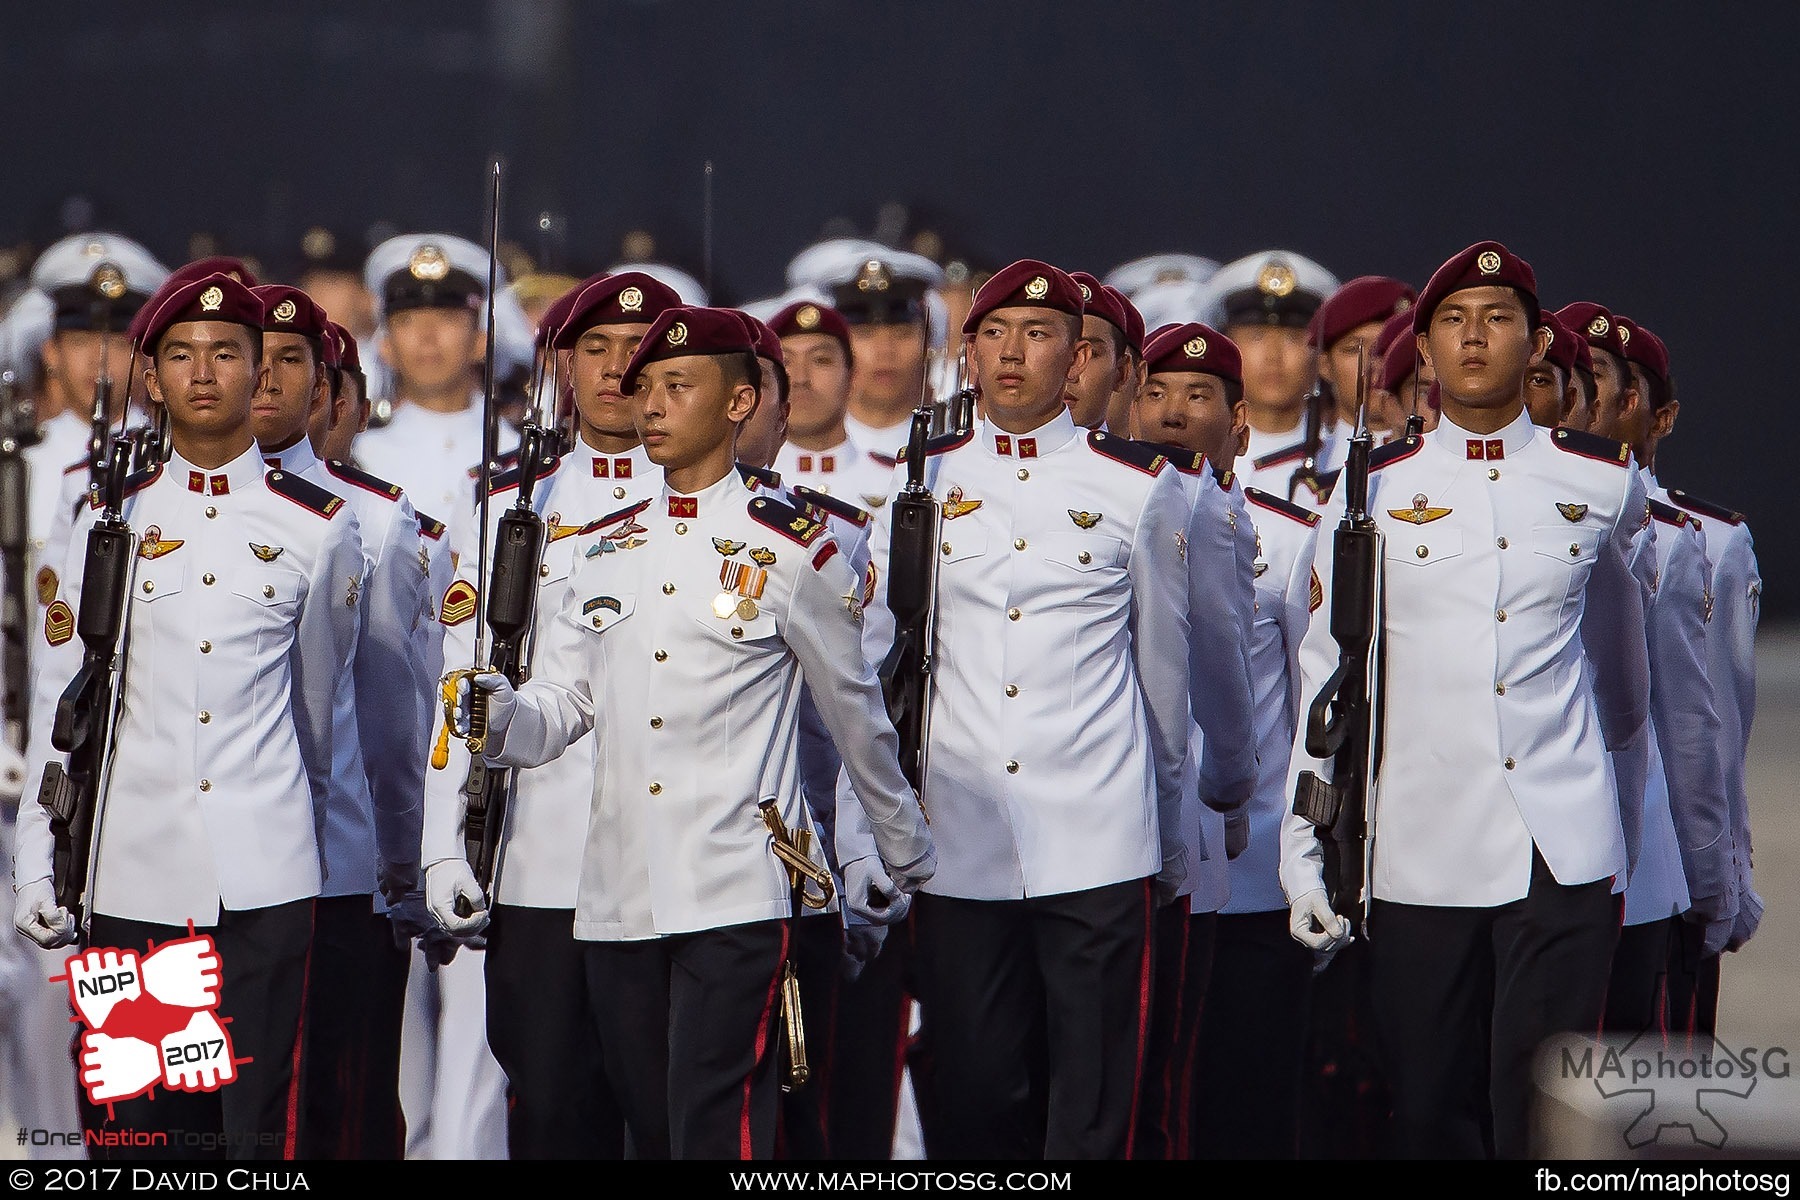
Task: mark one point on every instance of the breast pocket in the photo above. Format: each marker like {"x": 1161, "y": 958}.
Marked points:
{"x": 597, "y": 615}
{"x": 959, "y": 541}
{"x": 1083, "y": 568}
{"x": 1421, "y": 547}
{"x": 1573, "y": 549}
{"x": 157, "y": 581}
{"x": 276, "y": 595}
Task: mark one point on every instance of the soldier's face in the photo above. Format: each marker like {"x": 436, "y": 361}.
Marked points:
{"x": 1279, "y": 367}
{"x": 1103, "y": 375}
{"x": 686, "y": 409}
{"x": 1192, "y": 409}
{"x": 1480, "y": 342}
{"x": 890, "y": 364}
{"x": 433, "y": 349}
{"x": 595, "y": 369}
{"x": 1023, "y": 359}
{"x": 206, "y": 374}
{"x": 1338, "y": 366}
{"x": 73, "y": 359}
{"x": 1612, "y": 382}
{"x": 1547, "y": 396}
{"x": 818, "y": 381}
{"x": 293, "y": 391}
{"x": 760, "y": 436}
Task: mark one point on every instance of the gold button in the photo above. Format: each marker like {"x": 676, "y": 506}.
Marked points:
{"x": 149, "y": 586}
{"x": 1018, "y": 543}
{"x": 209, "y": 579}
{"x": 668, "y": 589}
{"x": 205, "y": 717}
{"x": 681, "y": 527}
{"x": 662, "y": 656}
{"x": 1510, "y": 764}
{"x": 1024, "y": 474}
{"x": 945, "y": 547}
{"x": 206, "y": 785}
{"x": 268, "y": 591}
{"x": 1012, "y": 766}
{"x": 206, "y": 647}
{"x": 1501, "y": 615}
{"x": 1500, "y": 542}
{"x": 1084, "y": 558}
{"x": 212, "y": 511}
{"x": 1012, "y": 614}
{"x": 543, "y": 570}
{"x": 1493, "y": 472}
{"x": 1422, "y": 552}
{"x": 656, "y": 789}
{"x": 1012, "y": 689}
{"x": 656, "y": 722}
{"x": 737, "y": 631}
{"x": 1574, "y": 549}
{"x": 618, "y": 493}
{"x": 1499, "y": 689}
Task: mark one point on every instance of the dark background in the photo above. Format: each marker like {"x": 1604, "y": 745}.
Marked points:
{"x": 1642, "y": 155}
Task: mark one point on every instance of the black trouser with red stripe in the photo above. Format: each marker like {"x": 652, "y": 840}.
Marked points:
{"x": 1184, "y": 949}
{"x": 262, "y": 985}
{"x": 355, "y": 995}
{"x": 818, "y": 953}
{"x": 688, "y": 1027}
{"x": 1659, "y": 981}
{"x": 1039, "y": 1013}
{"x": 869, "y": 1053}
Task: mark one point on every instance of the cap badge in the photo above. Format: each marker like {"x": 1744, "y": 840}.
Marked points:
{"x": 284, "y": 311}
{"x": 1038, "y": 288}
{"x": 1624, "y": 335}
{"x": 1549, "y": 336}
{"x": 428, "y": 263}
{"x": 1195, "y": 347}
{"x": 211, "y": 299}
{"x": 1277, "y": 279}
{"x": 631, "y": 299}
{"x": 1488, "y": 262}
{"x": 875, "y": 277}
{"x": 1087, "y": 293}
{"x": 677, "y": 335}
{"x": 108, "y": 280}
{"x": 807, "y": 317}
{"x": 1598, "y": 327}
{"x": 1421, "y": 512}
{"x": 318, "y": 243}
{"x": 1402, "y": 304}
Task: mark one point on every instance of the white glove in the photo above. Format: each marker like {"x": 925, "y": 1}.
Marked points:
{"x": 501, "y": 702}
{"x": 1170, "y": 879}
{"x": 872, "y": 895}
{"x": 38, "y": 916}
{"x": 445, "y": 882}
{"x": 915, "y": 874}
{"x": 1316, "y": 927}
{"x": 1237, "y": 832}
{"x": 861, "y": 945}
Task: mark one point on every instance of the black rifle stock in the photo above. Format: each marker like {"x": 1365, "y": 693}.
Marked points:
{"x": 911, "y": 591}
{"x": 18, "y": 432}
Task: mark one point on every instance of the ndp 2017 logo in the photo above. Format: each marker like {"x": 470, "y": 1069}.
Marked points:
{"x": 151, "y": 1019}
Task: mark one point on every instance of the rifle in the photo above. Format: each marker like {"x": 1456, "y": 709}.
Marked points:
{"x": 1343, "y": 722}
{"x": 1308, "y": 470}
{"x": 912, "y": 591}
{"x": 84, "y": 714}
{"x": 18, "y": 431}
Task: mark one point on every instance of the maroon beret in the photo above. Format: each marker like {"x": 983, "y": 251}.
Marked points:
{"x": 347, "y": 356}
{"x": 803, "y": 316}
{"x": 1643, "y": 347}
{"x": 1194, "y": 347}
{"x": 1593, "y": 324}
{"x": 1399, "y": 325}
{"x": 1027, "y": 283}
{"x": 214, "y": 298}
{"x": 200, "y": 268}
{"x": 1400, "y": 359}
{"x": 289, "y": 310}
{"x": 1159, "y": 331}
{"x": 761, "y": 337}
{"x": 1584, "y": 358}
{"x": 1134, "y": 320}
{"x": 1485, "y": 264}
{"x": 1562, "y": 343}
{"x": 1097, "y": 302}
{"x": 331, "y": 346}
{"x": 1365, "y": 298}
{"x": 683, "y": 332}
{"x": 628, "y": 298}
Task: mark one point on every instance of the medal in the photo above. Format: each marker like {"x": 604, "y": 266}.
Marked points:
{"x": 746, "y": 609}
{"x": 724, "y": 605}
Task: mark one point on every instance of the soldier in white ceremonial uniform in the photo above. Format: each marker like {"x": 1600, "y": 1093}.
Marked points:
{"x": 240, "y": 619}
{"x": 696, "y": 628}
{"x": 885, "y": 296}
{"x": 1056, "y": 745}
{"x": 372, "y": 905}
{"x": 539, "y": 1022}
{"x": 818, "y": 453}
{"x": 1515, "y": 659}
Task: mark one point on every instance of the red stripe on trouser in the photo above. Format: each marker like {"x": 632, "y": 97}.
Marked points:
{"x": 1143, "y": 1031}
{"x": 745, "y": 1144}
{"x": 289, "y": 1145}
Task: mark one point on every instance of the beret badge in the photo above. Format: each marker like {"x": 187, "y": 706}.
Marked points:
{"x": 1038, "y": 288}
{"x": 807, "y": 317}
{"x": 1598, "y": 327}
{"x": 1624, "y": 335}
{"x": 632, "y": 299}
{"x": 1488, "y": 262}
{"x": 1087, "y": 293}
{"x": 1195, "y": 348}
{"x": 284, "y": 311}
{"x": 211, "y": 299}
{"x": 678, "y": 334}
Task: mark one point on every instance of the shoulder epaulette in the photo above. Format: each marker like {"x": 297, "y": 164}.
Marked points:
{"x": 1140, "y": 456}
{"x": 1668, "y": 514}
{"x": 613, "y": 518}
{"x": 1188, "y": 462}
{"x": 1286, "y": 508}
{"x": 1286, "y": 454}
{"x": 135, "y": 482}
{"x": 363, "y": 480}
{"x": 831, "y": 504}
{"x": 1590, "y": 445}
{"x": 304, "y": 492}
{"x": 430, "y": 526}
{"x": 1706, "y": 508}
{"x": 760, "y": 477}
{"x": 1323, "y": 483}
{"x": 509, "y": 478}
{"x": 504, "y": 460}
{"x": 933, "y": 446}
{"x": 1394, "y": 451}
{"x": 785, "y": 519}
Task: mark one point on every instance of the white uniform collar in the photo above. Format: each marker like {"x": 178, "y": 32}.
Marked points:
{"x": 729, "y": 492}
{"x": 1051, "y": 436}
{"x": 297, "y": 459}
{"x": 633, "y": 464}
{"x": 1453, "y": 439}
{"x": 240, "y": 473}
